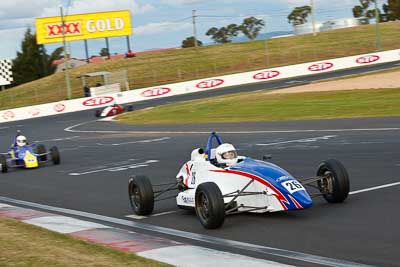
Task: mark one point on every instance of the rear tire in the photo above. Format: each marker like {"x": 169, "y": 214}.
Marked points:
{"x": 334, "y": 183}
{"x": 141, "y": 195}
{"x": 41, "y": 149}
{"x": 55, "y": 155}
{"x": 3, "y": 162}
{"x": 209, "y": 205}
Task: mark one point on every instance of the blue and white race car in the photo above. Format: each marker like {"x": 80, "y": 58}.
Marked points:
{"x": 217, "y": 182}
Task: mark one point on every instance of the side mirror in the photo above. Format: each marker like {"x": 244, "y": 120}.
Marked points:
{"x": 267, "y": 157}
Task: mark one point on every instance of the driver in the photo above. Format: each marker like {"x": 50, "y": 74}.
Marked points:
{"x": 21, "y": 141}
{"x": 226, "y": 155}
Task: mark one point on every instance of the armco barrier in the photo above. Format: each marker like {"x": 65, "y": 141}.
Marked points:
{"x": 199, "y": 85}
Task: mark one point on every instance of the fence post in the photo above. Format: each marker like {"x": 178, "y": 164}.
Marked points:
{"x": 179, "y": 73}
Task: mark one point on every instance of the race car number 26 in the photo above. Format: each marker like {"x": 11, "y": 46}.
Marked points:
{"x": 293, "y": 186}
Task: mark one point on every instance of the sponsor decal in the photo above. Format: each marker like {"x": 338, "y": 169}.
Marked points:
{"x": 98, "y": 101}
{"x": 283, "y": 178}
{"x": 83, "y": 26}
{"x": 34, "y": 111}
{"x": 265, "y": 75}
{"x": 155, "y": 92}
{"x": 320, "y": 66}
{"x": 210, "y": 83}
{"x": 367, "y": 59}
{"x": 102, "y": 25}
{"x": 71, "y": 28}
{"x": 59, "y": 107}
{"x": 188, "y": 200}
{"x": 8, "y": 115}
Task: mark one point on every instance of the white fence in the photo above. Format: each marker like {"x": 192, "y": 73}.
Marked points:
{"x": 199, "y": 85}
{"x": 105, "y": 89}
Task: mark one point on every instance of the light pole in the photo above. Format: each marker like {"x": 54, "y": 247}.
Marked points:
{"x": 313, "y": 18}
{"x": 377, "y": 30}
{"x": 194, "y": 27}
{"x": 65, "y": 55}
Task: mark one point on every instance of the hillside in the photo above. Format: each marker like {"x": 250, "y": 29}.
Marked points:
{"x": 177, "y": 65}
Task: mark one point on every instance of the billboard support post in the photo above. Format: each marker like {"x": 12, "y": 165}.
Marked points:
{"x": 108, "y": 48}
{"x": 128, "y": 43}
{"x": 86, "y": 50}
{"x": 65, "y": 55}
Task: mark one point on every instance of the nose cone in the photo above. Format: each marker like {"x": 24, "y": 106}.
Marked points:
{"x": 303, "y": 199}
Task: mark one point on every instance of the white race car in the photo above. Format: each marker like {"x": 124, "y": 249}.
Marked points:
{"x": 113, "y": 110}
{"x": 250, "y": 185}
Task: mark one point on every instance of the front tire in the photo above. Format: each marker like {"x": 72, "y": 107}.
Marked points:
{"x": 334, "y": 183}
{"x": 209, "y": 205}
{"x": 3, "y": 162}
{"x": 141, "y": 195}
{"x": 41, "y": 149}
{"x": 55, "y": 155}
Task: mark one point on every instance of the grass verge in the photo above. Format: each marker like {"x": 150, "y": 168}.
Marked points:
{"x": 26, "y": 245}
{"x": 176, "y": 65}
{"x": 259, "y": 106}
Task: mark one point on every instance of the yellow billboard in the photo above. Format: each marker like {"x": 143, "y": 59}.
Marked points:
{"x": 83, "y": 26}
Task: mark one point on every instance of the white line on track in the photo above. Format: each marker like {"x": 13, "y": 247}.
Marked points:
{"x": 374, "y": 188}
{"x": 71, "y": 129}
{"x": 117, "y": 168}
{"x": 58, "y": 139}
{"x": 137, "y": 142}
{"x": 305, "y": 140}
{"x": 294, "y": 81}
{"x": 8, "y": 127}
{"x": 72, "y": 148}
{"x": 139, "y": 217}
{"x": 299, "y": 256}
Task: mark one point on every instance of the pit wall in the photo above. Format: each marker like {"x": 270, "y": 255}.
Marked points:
{"x": 167, "y": 90}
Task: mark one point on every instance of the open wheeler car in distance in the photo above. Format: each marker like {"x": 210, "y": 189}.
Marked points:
{"x": 113, "y": 110}
{"x": 215, "y": 189}
{"x": 23, "y": 155}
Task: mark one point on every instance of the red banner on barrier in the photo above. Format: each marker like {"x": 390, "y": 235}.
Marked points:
{"x": 155, "y": 92}
{"x": 98, "y": 101}
{"x": 265, "y": 75}
{"x": 367, "y": 59}
{"x": 210, "y": 83}
{"x": 320, "y": 66}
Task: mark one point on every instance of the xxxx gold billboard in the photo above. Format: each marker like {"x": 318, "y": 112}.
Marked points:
{"x": 83, "y": 26}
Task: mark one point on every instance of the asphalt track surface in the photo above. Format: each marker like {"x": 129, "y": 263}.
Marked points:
{"x": 96, "y": 167}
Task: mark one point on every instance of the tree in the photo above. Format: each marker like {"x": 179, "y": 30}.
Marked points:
{"x": 189, "y": 42}
{"x": 299, "y": 15}
{"x": 223, "y": 34}
{"x": 33, "y": 62}
{"x": 104, "y": 52}
{"x": 391, "y": 10}
{"x": 365, "y": 9}
{"x": 251, "y": 27}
